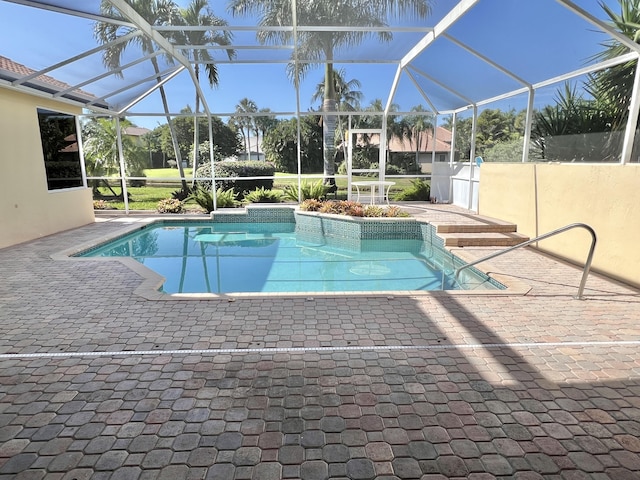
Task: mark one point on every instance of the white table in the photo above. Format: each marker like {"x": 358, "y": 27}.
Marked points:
{"x": 383, "y": 187}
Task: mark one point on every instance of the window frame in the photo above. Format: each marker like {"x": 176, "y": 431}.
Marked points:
{"x": 40, "y": 110}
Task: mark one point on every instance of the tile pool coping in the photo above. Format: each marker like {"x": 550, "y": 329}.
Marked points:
{"x": 152, "y": 281}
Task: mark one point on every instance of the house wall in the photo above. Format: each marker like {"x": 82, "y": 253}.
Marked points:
{"x": 27, "y": 209}
{"x": 542, "y": 197}
{"x": 425, "y": 160}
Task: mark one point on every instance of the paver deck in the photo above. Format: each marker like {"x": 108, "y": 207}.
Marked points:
{"x": 97, "y": 382}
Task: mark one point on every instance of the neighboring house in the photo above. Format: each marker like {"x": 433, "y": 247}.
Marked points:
{"x": 136, "y": 134}
{"x": 255, "y": 151}
{"x": 43, "y": 189}
{"x": 423, "y": 146}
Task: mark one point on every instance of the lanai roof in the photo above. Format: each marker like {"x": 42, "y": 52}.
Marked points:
{"x": 468, "y": 53}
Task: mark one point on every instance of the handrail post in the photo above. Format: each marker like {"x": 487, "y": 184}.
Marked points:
{"x": 587, "y": 265}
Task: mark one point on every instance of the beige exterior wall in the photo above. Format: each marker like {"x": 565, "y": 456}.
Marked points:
{"x": 27, "y": 209}
{"x": 542, "y": 197}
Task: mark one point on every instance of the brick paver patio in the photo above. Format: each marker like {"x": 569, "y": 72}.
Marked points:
{"x": 97, "y": 382}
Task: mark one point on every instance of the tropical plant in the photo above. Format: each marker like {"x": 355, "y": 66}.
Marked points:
{"x": 350, "y": 208}
{"x": 170, "y": 205}
{"x": 199, "y": 14}
{"x": 204, "y": 198}
{"x": 311, "y": 205}
{"x": 419, "y": 190}
{"x": 316, "y": 190}
{"x": 395, "y": 211}
{"x": 374, "y": 211}
{"x": 226, "y": 198}
{"x": 613, "y": 86}
{"x": 156, "y": 13}
{"x": 321, "y": 46}
{"x": 562, "y": 132}
{"x": 102, "y": 158}
{"x": 264, "y": 195}
{"x": 101, "y": 205}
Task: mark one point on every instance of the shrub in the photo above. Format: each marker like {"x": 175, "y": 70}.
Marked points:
{"x": 342, "y": 207}
{"x": 373, "y": 211}
{"x": 225, "y": 170}
{"x": 101, "y": 205}
{"x": 418, "y": 191}
{"x": 181, "y": 194}
{"x": 226, "y": 198}
{"x": 170, "y": 205}
{"x": 394, "y": 170}
{"x": 311, "y": 205}
{"x": 138, "y": 182}
{"x": 316, "y": 190}
{"x": 204, "y": 198}
{"x": 351, "y": 208}
{"x": 395, "y": 211}
{"x": 329, "y": 207}
{"x": 262, "y": 195}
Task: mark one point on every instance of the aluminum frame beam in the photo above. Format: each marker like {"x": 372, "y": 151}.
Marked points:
{"x": 452, "y": 17}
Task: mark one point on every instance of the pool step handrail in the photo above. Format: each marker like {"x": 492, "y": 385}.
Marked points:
{"x": 587, "y": 265}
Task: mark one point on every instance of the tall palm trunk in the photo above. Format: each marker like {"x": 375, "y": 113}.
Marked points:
{"x": 329, "y": 104}
{"x": 195, "y": 128}
{"x": 172, "y": 130}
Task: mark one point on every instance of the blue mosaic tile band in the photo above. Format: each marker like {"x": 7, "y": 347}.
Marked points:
{"x": 349, "y": 229}
{"x": 256, "y": 215}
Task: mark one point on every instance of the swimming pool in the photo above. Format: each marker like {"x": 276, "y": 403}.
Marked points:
{"x": 211, "y": 257}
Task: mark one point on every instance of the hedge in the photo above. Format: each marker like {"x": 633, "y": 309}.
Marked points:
{"x": 230, "y": 169}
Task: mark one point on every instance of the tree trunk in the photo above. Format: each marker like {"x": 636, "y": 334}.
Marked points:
{"x": 195, "y": 130}
{"x": 329, "y": 104}
{"x": 248, "y": 143}
{"x": 174, "y": 138}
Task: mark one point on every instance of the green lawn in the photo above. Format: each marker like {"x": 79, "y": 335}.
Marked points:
{"x": 167, "y": 173}
{"x": 147, "y": 197}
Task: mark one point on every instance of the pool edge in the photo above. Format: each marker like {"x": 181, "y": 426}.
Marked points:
{"x": 152, "y": 281}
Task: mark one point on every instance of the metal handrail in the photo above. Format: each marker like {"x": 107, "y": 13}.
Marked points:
{"x": 587, "y": 265}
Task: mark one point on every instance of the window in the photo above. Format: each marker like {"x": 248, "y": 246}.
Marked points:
{"x": 60, "y": 149}
{"x": 442, "y": 157}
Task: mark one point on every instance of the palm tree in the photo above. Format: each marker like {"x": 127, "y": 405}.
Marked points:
{"x": 419, "y": 124}
{"x": 320, "y": 46}
{"x": 613, "y": 86}
{"x": 262, "y": 123}
{"x": 244, "y": 107}
{"x": 199, "y": 14}
{"x": 155, "y": 12}
{"x": 101, "y": 151}
{"x": 348, "y": 98}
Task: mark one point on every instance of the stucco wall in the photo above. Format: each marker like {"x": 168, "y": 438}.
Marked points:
{"x": 27, "y": 209}
{"x": 542, "y": 197}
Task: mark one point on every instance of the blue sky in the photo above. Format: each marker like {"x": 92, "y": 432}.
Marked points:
{"x": 537, "y": 39}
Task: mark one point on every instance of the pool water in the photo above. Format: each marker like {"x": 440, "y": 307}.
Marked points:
{"x": 268, "y": 257}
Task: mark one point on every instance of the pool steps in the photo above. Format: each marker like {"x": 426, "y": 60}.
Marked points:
{"x": 479, "y": 232}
